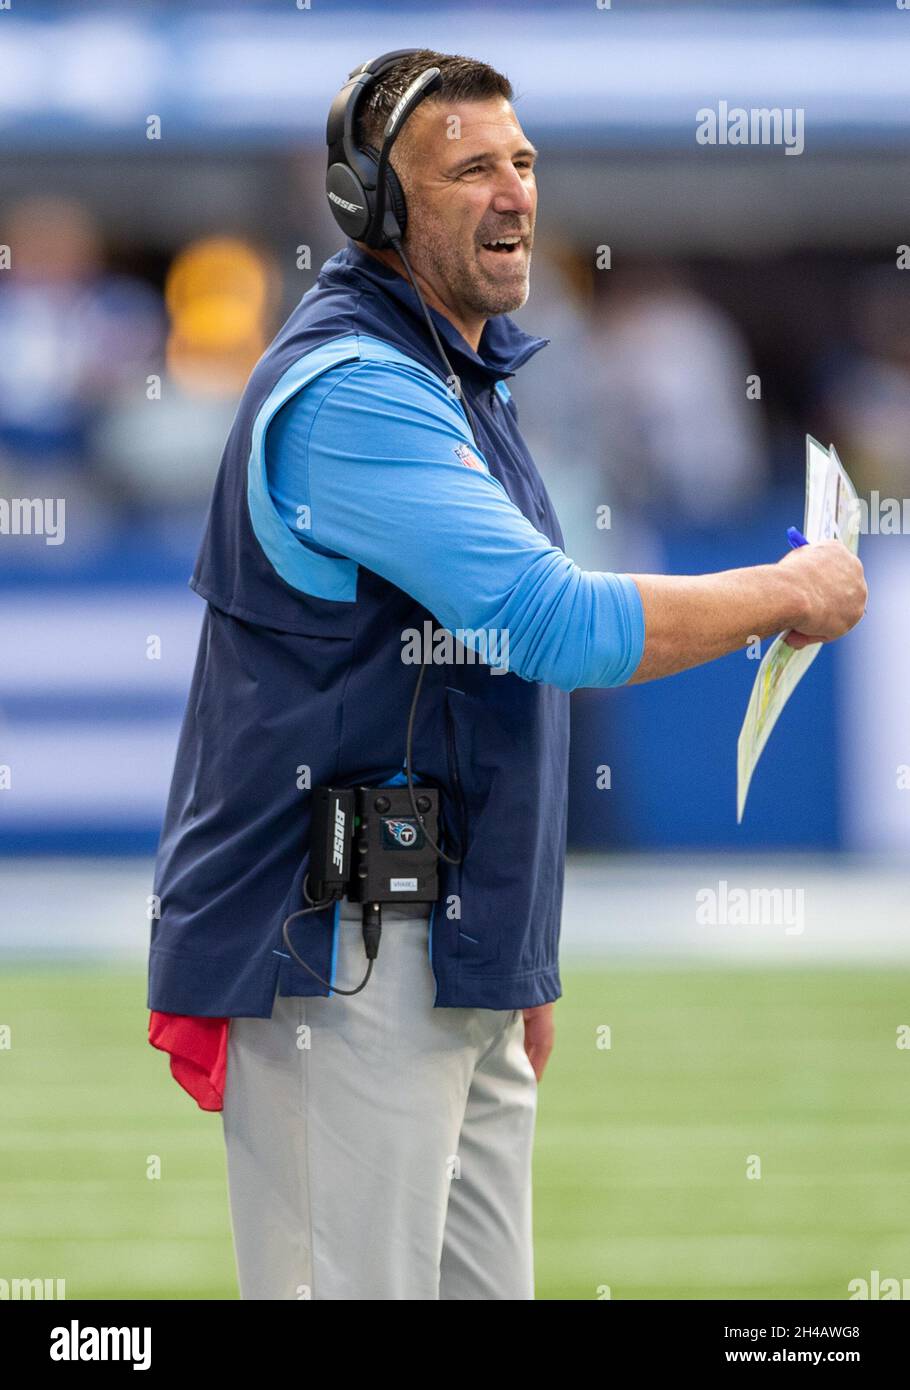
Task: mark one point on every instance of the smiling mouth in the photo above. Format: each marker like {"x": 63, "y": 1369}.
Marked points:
{"x": 503, "y": 246}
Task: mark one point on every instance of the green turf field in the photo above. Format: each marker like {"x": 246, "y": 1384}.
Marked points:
{"x": 642, "y": 1148}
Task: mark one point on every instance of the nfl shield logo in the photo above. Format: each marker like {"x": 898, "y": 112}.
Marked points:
{"x": 468, "y": 457}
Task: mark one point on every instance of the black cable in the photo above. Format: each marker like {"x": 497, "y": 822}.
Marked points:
{"x": 436, "y": 340}
{"x": 372, "y": 930}
{"x": 470, "y": 418}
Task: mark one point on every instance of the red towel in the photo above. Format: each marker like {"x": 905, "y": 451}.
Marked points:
{"x": 198, "y": 1048}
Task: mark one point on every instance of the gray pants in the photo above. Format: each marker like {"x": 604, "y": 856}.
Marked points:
{"x": 379, "y": 1148}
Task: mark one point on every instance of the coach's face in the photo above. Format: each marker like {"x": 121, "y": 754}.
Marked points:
{"x": 468, "y": 174}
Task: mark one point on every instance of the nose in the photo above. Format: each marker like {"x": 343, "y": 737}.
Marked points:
{"x": 512, "y": 193}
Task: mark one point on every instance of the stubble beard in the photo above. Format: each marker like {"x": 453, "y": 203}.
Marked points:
{"x": 431, "y": 251}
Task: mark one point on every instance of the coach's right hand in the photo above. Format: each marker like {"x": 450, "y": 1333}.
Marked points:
{"x": 834, "y": 588}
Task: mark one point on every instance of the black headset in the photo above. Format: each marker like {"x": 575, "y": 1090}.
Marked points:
{"x": 364, "y": 194}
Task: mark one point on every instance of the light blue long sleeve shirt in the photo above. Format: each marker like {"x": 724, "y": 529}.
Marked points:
{"x": 374, "y": 461}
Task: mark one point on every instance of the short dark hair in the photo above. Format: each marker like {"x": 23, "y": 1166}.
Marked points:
{"x": 463, "y": 79}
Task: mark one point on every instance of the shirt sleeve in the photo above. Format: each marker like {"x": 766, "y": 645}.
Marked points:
{"x": 375, "y": 451}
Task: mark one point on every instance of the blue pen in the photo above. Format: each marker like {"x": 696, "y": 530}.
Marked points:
{"x": 795, "y": 537}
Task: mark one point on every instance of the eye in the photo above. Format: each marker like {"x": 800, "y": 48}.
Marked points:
{"x": 474, "y": 169}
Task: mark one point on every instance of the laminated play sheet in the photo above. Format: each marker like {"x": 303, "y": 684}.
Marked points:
{"x": 832, "y": 512}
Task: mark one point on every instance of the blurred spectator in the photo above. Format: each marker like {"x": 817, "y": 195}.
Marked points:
{"x": 865, "y": 385}
{"x": 667, "y": 372}
{"x": 560, "y": 409}
{"x": 71, "y": 333}
{"x": 160, "y": 444}
{"x": 554, "y": 400}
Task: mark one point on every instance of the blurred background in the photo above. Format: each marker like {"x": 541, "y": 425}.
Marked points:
{"x": 707, "y": 306}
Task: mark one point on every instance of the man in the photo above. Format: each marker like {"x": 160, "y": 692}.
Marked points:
{"x": 379, "y": 1142}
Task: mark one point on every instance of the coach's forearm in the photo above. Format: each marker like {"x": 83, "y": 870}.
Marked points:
{"x": 691, "y": 619}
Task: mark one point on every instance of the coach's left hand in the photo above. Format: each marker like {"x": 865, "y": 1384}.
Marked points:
{"x": 540, "y": 1032}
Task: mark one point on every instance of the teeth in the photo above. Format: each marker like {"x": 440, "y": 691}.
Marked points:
{"x": 504, "y": 241}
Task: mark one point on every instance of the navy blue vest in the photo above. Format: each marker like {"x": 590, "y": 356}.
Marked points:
{"x": 286, "y": 680}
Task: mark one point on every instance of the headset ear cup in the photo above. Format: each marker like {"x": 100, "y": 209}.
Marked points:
{"x": 348, "y": 200}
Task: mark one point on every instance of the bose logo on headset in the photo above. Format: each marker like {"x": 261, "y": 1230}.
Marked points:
{"x": 343, "y": 203}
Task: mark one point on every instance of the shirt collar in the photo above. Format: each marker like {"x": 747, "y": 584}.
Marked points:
{"x": 504, "y": 347}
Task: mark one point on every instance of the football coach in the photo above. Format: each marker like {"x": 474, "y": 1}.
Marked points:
{"x": 375, "y": 484}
